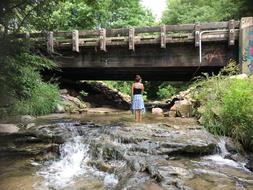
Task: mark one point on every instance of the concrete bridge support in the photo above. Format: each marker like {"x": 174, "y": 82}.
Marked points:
{"x": 246, "y": 46}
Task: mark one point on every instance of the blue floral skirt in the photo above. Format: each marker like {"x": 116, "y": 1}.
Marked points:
{"x": 137, "y": 103}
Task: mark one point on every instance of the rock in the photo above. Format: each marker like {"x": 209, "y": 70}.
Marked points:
{"x": 64, "y": 91}
{"x": 71, "y": 104}
{"x": 249, "y": 164}
{"x": 166, "y": 114}
{"x": 201, "y": 120}
{"x": 157, "y": 111}
{"x": 8, "y": 128}
{"x": 28, "y": 149}
{"x": 27, "y": 118}
{"x": 173, "y": 108}
{"x": 233, "y": 147}
{"x": 30, "y": 125}
{"x": 107, "y": 94}
{"x": 59, "y": 109}
{"x": 184, "y": 108}
{"x": 241, "y": 76}
{"x": 172, "y": 113}
{"x": 77, "y": 102}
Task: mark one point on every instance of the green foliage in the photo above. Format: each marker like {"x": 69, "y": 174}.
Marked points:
{"x": 166, "y": 91}
{"x": 78, "y": 14}
{"x": 237, "y": 111}
{"x": 227, "y": 105}
{"x": 122, "y": 86}
{"x": 185, "y": 11}
{"x": 42, "y": 100}
{"x": 22, "y": 89}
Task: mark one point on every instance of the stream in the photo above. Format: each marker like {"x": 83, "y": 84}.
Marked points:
{"x": 111, "y": 152}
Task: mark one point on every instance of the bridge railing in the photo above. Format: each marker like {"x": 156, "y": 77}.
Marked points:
{"x": 165, "y": 34}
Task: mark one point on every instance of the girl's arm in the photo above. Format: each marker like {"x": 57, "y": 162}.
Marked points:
{"x": 132, "y": 91}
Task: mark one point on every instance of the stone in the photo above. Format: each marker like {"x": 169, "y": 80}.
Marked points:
{"x": 172, "y": 114}
{"x": 30, "y": 125}
{"x": 241, "y": 76}
{"x": 70, "y": 104}
{"x": 201, "y": 120}
{"x": 59, "y": 108}
{"x": 107, "y": 94}
{"x": 157, "y": 111}
{"x": 27, "y": 118}
{"x": 77, "y": 102}
{"x": 173, "y": 108}
{"x": 249, "y": 164}
{"x": 64, "y": 91}
{"x": 184, "y": 108}
{"x": 233, "y": 147}
{"x": 8, "y": 128}
{"x": 166, "y": 114}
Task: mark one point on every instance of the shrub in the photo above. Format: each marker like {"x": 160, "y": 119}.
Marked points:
{"x": 227, "y": 105}
{"x": 42, "y": 100}
{"x": 22, "y": 89}
{"x": 122, "y": 86}
{"x": 237, "y": 111}
{"x": 166, "y": 91}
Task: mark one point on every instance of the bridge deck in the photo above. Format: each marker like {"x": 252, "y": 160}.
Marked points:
{"x": 183, "y": 33}
{"x": 157, "y": 53}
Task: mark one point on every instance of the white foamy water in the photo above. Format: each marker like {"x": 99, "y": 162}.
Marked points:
{"x": 72, "y": 163}
{"x": 222, "y": 146}
{"x": 219, "y": 160}
{"x": 110, "y": 180}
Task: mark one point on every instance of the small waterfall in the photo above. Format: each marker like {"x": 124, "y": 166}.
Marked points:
{"x": 221, "y": 159}
{"x": 72, "y": 163}
{"x": 222, "y": 145}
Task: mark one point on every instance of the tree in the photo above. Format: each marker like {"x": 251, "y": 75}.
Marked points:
{"x": 185, "y": 11}
{"x": 78, "y": 14}
{"x": 20, "y": 15}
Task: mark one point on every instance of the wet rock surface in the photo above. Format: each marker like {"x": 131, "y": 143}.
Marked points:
{"x": 140, "y": 156}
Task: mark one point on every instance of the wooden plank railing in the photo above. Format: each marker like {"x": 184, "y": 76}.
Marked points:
{"x": 162, "y": 35}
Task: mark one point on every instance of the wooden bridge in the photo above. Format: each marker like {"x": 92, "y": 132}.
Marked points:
{"x": 168, "y": 52}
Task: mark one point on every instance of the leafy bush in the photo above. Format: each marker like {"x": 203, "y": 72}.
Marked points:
{"x": 122, "y": 86}
{"x": 22, "y": 88}
{"x": 166, "y": 91}
{"x": 227, "y": 105}
{"x": 237, "y": 111}
{"x": 42, "y": 100}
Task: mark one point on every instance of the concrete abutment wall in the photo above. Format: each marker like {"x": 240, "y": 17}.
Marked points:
{"x": 246, "y": 45}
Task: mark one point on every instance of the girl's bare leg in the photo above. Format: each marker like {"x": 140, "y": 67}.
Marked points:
{"x": 140, "y": 116}
{"x": 136, "y": 115}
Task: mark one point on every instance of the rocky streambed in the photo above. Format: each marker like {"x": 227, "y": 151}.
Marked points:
{"x": 165, "y": 153}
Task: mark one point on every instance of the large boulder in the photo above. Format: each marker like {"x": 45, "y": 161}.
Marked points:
{"x": 70, "y": 104}
{"x": 184, "y": 108}
{"x": 115, "y": 97}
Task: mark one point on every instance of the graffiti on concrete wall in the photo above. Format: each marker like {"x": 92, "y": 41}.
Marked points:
{"x": 249, "y": 56}
{"x": 248, "y": 53}
{"x": 213, "y": 57}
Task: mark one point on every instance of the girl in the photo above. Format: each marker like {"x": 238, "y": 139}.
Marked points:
{"x": 137, "y": 100}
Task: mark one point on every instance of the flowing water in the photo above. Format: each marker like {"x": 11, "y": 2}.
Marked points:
{"x": 111, "y": 152}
